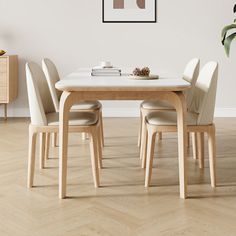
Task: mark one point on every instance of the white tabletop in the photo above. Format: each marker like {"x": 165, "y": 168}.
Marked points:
{"x": 83, "y": 81}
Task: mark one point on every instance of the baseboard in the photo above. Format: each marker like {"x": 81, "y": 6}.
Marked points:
{"x": 16, "y": 112}
{"x": 119, "y": 112}
{"x": 225, "y": 112}
{"x": 134, "y": 112}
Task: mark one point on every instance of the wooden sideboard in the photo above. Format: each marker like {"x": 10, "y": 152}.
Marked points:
{"x": 8, "y": 80}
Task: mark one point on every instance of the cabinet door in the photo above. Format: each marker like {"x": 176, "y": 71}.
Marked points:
{"x": 3, "y": 94}
{"x": 3, "y": 79}
{"x": 3, "y": 72}
{"x": 3, "y": 65}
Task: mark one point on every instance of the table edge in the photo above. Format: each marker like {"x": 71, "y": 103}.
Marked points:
{"x": 118, "y": 89}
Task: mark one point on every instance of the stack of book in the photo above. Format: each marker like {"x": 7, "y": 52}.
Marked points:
{"x": 106, "y": 71}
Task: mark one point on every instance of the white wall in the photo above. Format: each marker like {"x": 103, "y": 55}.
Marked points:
{"x": 71, "y": 33}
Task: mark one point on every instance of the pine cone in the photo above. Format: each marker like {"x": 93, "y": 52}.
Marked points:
{"x": 137, "y": 72}
{"x": 145, "y": 71}
{"x": 141, "y": 72}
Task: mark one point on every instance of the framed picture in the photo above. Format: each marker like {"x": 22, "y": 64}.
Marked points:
{"x": 129, "y": 11}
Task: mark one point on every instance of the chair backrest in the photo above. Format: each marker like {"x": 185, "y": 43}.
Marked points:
{"x": 40, "y": 101}
{"x": 204, "y": 96}
{"x": 190, "y": 74}
{"x": 52, "y": 77}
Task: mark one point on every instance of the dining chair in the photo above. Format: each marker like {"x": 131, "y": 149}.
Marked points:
{"x": 52, "y": 76}
{"x": 199, "y": 120}
{"x": 190, "y": 74}
{"x": 45, "y": 120}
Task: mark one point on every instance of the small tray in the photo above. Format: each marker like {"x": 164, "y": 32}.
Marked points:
{"x": 150, "y": 77}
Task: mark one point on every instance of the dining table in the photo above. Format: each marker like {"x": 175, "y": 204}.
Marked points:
{"x": 81, "y": 85}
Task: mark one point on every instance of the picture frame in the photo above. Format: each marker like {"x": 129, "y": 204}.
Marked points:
{"x": 129, "y": 11}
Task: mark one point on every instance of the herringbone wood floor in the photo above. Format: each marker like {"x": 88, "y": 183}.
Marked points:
{"x": 121, "y": 206}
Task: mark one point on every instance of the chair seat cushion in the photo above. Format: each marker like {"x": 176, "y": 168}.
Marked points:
{"x": 87, "y": 105}
{"x": 75, "y": 118}
{"x": 166, "y": 118}
{"x": 156, "y": 105}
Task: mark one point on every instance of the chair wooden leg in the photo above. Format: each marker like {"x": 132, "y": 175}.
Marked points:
{"x": 142, "y": 137}
{"x": 94, "y": 158}
{"x": 159, "y": 136}
{"x": 47, "y": 146}
{"x": 84, "y": 136}
{"x": 99, "y": 139}
{"x": 188, "y": 139}
{"x": 102, "y": 129}
{"x": 212, "y": 155}
{"x": 200, "y": 148}
{"x": 143, "y": 149}
{"x": 140, "y": 128}
{"x": 5, "y": 111}
{"x": 194, "y": 145}
{"x": 54, "y": 140}
{"x": 31, "y": 158}
{"x": 42, "y": 139}
{"x": 150, "y": 154}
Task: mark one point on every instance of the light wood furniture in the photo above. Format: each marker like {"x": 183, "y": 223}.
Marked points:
{"x": 52, "y": 77}
{"x": 190, "y": 74}
{"x": 44, "y": 120}
{"x": 199, "y": 120}
{"x": 8, "y": 80}
{"x": 81, "y": 86}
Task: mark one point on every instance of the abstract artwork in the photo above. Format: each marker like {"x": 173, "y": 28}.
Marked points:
{"x": 129, "y": 11}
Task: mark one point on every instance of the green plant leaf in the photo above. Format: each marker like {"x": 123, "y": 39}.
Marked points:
{"x": 225, "y": 31}
{"x": 228, "y": 42}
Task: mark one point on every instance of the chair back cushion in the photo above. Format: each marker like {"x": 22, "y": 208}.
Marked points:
{"x": 40, "y": 101}
{"x": 52, "y": 77}
{"x": 204, "y": 96}
{"x": 190, "y": 74}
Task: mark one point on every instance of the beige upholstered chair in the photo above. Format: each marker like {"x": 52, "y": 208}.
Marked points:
{"x": 190, "y": 74}
{"x": 52, "y": 77}
{"x": 199, "y": 119}
{"x": 44, "y": 120}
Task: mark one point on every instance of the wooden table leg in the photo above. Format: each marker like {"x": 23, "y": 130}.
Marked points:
{"x": 181, "y": 109}
{"x": 65, "y": 105}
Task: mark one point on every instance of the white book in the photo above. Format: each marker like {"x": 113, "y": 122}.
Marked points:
{"x": 94, "y": 73}
{"x": 105, "y": 69}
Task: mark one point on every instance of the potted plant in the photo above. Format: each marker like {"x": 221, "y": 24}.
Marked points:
{"x": 227, "y": 37}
